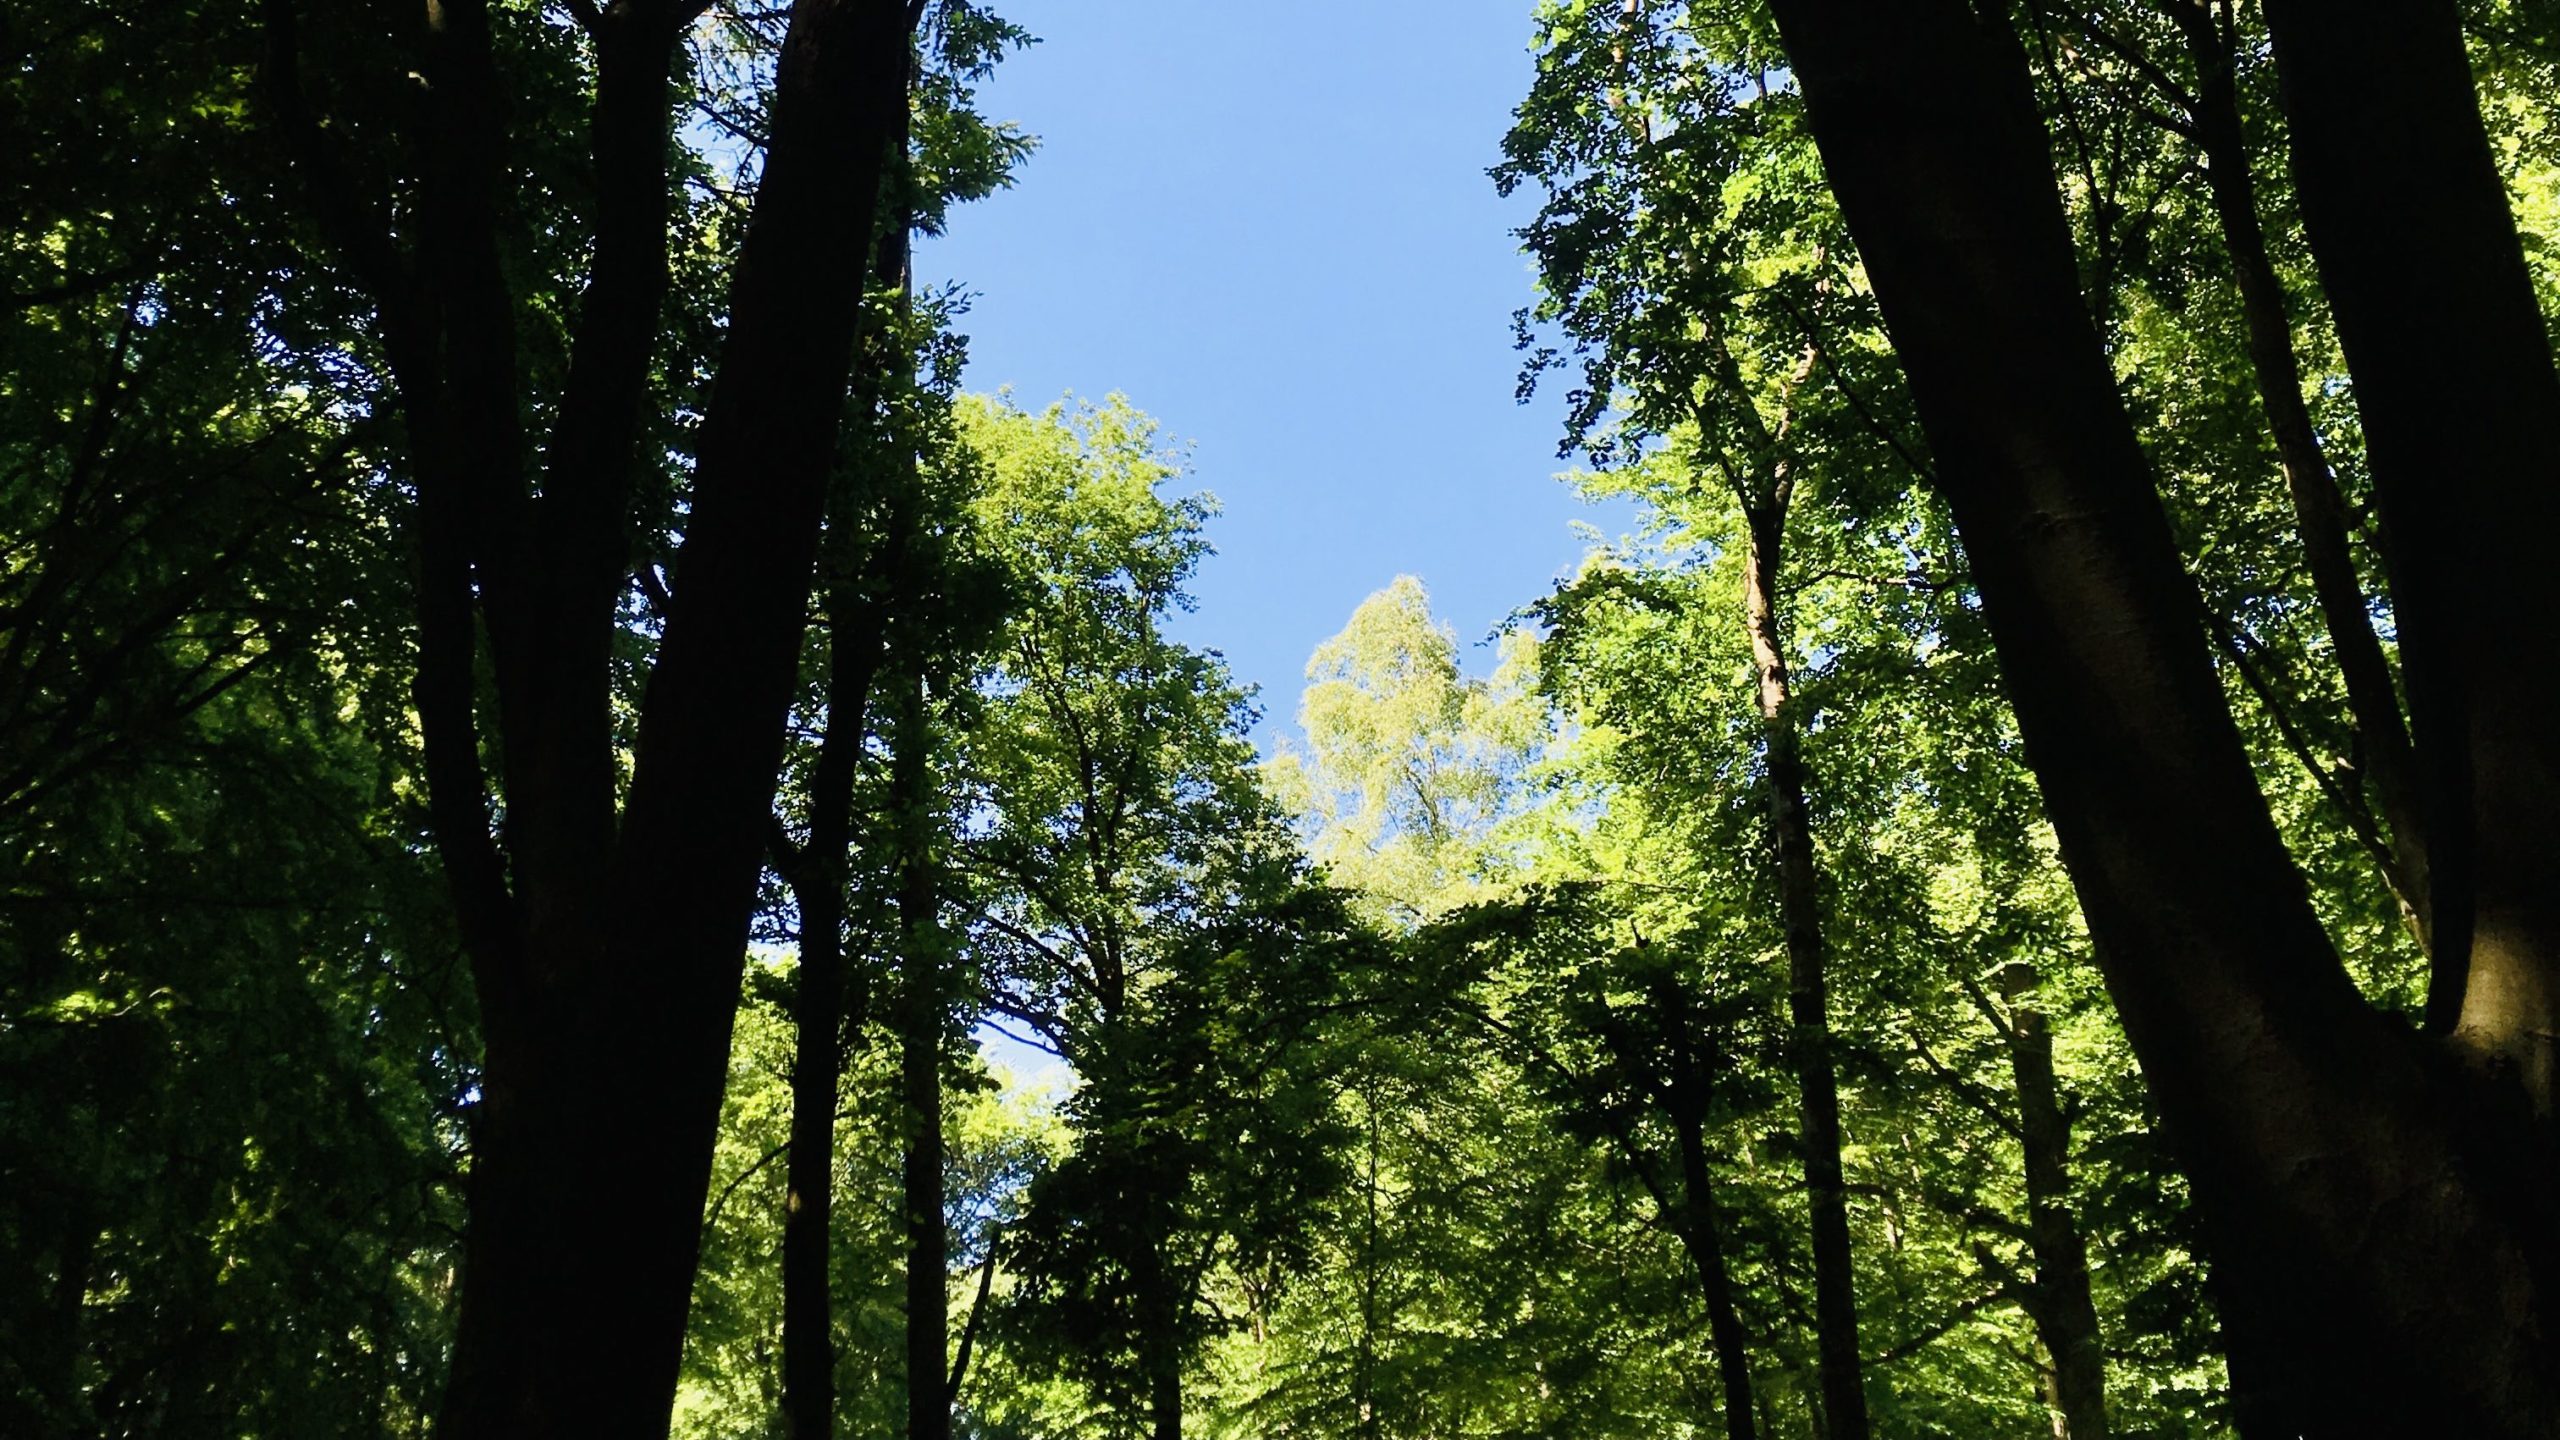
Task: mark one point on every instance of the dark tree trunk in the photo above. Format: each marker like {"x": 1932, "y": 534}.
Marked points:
{"x": 2065, "y": 1317}
{"x": 2370, "y": 1213}
{"x": 2385, "y": 759}
{"x": 975, "y": 1324}
{"x": 818, "y": 877}
{"x": 808, "y": 1207}
{"x": 605, "y": 948}
{"x": 1835, "y": 1301}
{"x": 921, "y": 1015}
{"x": 1164, "y": 1398}
{"x": 2435, "y": 308}
{"x": 1161, "y": 1292}
{"x": 819, "y": 874}
{"x": 1702, "y": 1234}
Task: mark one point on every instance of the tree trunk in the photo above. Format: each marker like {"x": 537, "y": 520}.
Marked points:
{"x": 2369, "y": 1212}
{"x": 1164, "y": 1398}
{"x": 2418, "y": 252}
{"x": 1702, "y": 1233}
{"x": 1364, "y": 1373}
{"x": 2385, "y": 758}
{"x": 607, "y": 953}
{"x": 1835, "y": 1303}
{"x": 818, "y": 879}
{"x": 2066, "y": 1319}
{"x": 976, "y": 1323}
{"x": 819, "y": 874}
{"x": 921, "y": 1015}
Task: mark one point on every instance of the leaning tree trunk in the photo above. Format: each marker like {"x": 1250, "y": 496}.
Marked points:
{"x": 2370, "y": 1211}
{"x": 1835, "y": 1301}
{"x": 817, "y": 875}
{"x": 2418, "y": 252}
{"x": 2385, "y": 758}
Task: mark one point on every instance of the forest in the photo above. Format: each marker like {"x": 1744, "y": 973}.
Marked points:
{"x": 593, "y": 843}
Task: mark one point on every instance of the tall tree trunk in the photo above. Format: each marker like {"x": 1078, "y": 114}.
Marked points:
{"x": 1835, "y": 1302}
{"x": 820, "y": 871}
{"x": 1160, "y": 1294}
{"x": 817, "y": 1066}
{"x": 2065, "y": 1317}
{"x": 2385, "y": 759}
{"x": 2418, "y": 252}
{"x": 921, "y": 1015}
{"x": 2368, "y": 1214}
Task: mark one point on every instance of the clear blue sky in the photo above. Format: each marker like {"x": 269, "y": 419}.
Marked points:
{"x": 1269, "y": 225}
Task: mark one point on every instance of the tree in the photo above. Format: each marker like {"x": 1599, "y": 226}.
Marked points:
{"x": 2255, "y": 1043}
{"x": 1143, "y": 911}
{"x": 607, "y": 927}
{"x": 1409, "y": 768}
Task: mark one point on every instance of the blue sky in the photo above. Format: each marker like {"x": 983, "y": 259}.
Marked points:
{"x": 1269, "y": 225}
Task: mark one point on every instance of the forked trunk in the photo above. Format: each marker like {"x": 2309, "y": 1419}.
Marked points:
{"x": 2385, "y": 758}
{"x": 2371, "y": 1211}
{"x": 607, "y": 953}
{"x": 2418, "y": 252}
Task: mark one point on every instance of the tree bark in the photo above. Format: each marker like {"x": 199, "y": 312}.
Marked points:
{"x": 1835, "y": 1303}
{"x": 2385, "y": 758}
{"x": 2065, "y": 1317}
{"x": 2419, "y": 255}
{"x": 922, "y": 1013}
{"x": 2364, "y": 1206}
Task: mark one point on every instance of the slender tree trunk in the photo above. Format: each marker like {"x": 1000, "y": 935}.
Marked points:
{"x": 817, "y": 1065}
{"x": 2370, "y": 1212}
{"x": 1365, "y": 1371}
{"x": 976, "y": 1322}
{"x": 2065, "y": 1317}
{"x": 922, "y": 1014}
{"x": 2408, "y": 218}
{"x": 1835, "y": 1303}
{"x": 1702, "y": 1233}
{"x": 2385, "y": 759}
{"x": 818, "y": 878}
{"x": 1160, "y": 1293}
